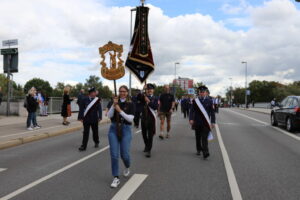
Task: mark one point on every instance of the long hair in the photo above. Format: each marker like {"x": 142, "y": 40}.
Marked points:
{"x": 67, "y": 90}
{"x": 128, "y": 98}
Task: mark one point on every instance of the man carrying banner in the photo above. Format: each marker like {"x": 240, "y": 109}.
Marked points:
{"x": 202, "y": 119}
{"x": 90, "y": 114}
{"x": 150, "y": 105}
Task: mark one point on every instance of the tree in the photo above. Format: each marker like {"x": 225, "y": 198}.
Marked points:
{"x": 94, "y": 81}
{"x": 39, "y": 84}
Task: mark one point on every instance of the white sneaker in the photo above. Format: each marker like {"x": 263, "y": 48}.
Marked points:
{"x": 37, "y": 127}
{"x": 115, "y": 182}
{"x": 30, "y": 129}
{"x": 126, "y": 172}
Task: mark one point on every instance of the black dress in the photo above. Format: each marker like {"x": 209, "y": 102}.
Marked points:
{"x": 66, "y": 106}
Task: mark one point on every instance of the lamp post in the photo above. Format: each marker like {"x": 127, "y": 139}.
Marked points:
{"x": 230, "y": 92}
{"x": 176, "y": 63}
{"x": 244, "y": 62}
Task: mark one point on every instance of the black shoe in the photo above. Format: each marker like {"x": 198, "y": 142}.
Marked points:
{"x": 97, "y": 145}
{"x": 148, "y": 154}
{"x": 82, "y": 148}
{"x": 161, "y": 137}
{"x": 205, "y": 155}
{"x": 198, "y": 153}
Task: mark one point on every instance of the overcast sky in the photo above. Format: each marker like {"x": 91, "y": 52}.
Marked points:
{"x": 59, "y": 39}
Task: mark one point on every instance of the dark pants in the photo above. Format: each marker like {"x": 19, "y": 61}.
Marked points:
{"x": 31, "y": 119}
{"x": 201, "y": 139}
{"x": 86, "y": 133}
{"x": 148, "y": 132}
{"x": 185, "y": 112}
{"x": 216, "y": 108}
{"x": 136, "y": 119}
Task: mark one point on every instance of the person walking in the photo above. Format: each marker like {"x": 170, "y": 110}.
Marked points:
{"x": 121, "y": 114}
{"x": 166, "y": 106}
{"x": 184, "y": 106}
{"x": 202, "y": 119}
{"x": 138, "y": 109}
{"x": 1, "y": 95}
{"x": 150, "y": 105}
{"x": 31, "y": 107}
{"x": 80, "y": 98}
{"x": 90, "y": 114}
{"x": 66, "y": 106}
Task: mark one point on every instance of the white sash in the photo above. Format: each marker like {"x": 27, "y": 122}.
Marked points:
{"x": 202, "y": 109}
{"x": 152, "y": 112}
{"x": 90, "y": 106}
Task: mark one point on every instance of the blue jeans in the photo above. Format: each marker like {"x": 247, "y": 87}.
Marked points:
{"x": 31, "y": 118}
{"x": 117, "y": 147}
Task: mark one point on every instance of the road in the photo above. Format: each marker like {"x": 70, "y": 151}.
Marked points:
{"x": 257, "y": 161}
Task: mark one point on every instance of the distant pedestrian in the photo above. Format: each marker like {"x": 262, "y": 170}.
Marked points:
{"x": 185, "y": 106}
{"x": 80, "y": 97}
{"x": 202, "y": 119}
{"x": 273, "y": 103}
{"x": 1, "y": 95}
{"x": 66, "y": 106}
{"x": 138, "y": 108}
{"x": 166, "y": 106}
{"x": 31, "y": 106}
{"x": 121, "y": 114}
{"x": 90, "y": 115}
{"x": 46, "y": 104}
{"x": 41, "y": 102}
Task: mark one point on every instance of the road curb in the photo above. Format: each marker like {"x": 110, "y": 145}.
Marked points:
{"x": 41, "y": 136}
{"x": 256, "y": 111}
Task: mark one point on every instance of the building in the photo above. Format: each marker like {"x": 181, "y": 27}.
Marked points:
{"x": 184, "y": 83}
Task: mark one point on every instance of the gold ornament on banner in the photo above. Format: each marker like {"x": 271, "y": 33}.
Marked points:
{"x": 116, "y": 70}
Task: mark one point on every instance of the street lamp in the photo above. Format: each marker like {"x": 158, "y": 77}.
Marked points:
{"x": 244, "y": 62}
{"x": 230, "y": 92}
{"x": 177, "y": 63}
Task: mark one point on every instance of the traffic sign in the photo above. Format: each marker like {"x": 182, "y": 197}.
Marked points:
{"x": 9, "y": 42}
{"x": 9, "y": 51}
{"x": 191, "y": 91}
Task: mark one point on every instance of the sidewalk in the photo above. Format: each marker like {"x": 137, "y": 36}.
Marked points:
{"x": 260, "y": 110}
{"x": 13, "y": 129}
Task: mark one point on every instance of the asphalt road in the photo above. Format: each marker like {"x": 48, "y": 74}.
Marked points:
{"x": 265, "y": 164}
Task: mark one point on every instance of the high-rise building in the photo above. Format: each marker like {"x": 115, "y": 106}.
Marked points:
{"x": 184, "y": 83}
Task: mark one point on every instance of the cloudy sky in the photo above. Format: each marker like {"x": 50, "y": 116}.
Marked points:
{"x": 59, "y": 39}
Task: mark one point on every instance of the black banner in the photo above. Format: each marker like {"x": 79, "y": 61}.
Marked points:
{"x": 140, "y": 59}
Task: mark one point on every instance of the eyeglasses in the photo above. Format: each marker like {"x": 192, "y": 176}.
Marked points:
{"x": 122, "y": 91}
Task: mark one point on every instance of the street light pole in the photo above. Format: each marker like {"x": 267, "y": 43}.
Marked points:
{"x": 230, "y": 92}
{"x": 244, "y": 62}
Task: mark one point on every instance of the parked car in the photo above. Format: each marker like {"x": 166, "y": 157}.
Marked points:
{"x": 287, "y": 113}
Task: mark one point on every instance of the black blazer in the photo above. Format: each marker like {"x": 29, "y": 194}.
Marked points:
{"x": 95, "y": 113}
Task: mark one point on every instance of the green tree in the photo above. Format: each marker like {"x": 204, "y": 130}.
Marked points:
{"x": 39, "y": 84}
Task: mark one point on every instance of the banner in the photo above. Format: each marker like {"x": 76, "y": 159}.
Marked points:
{"x": 140, "y": 59}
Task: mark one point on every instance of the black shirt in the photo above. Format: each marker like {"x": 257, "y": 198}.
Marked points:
{"x": 128, "y": 108}
{"x": 166, "y": 101}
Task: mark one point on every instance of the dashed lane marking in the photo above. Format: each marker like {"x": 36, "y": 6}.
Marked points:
{"x": 267, "y": 124}
{"x": 2, "y": 169}
{"x": 130, "y": 187}
{"x": 234, "y": 188}
{"x": 45, "y": 178}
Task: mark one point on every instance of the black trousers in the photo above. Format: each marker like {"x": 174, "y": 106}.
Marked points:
{"x": 148, "y": 133}
{"x": 86, "y": 133}
{"x": 136, "y": 119}
{"x": 185, "y": 113}
{"x": 202, "y": 139}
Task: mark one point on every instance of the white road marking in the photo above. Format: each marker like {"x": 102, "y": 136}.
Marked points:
{"x": 2, "y": 169}
{"x": 235, "y": 191}
{"x": 130, "y": 187}
{"x": 35, "y": 183}
{"x": 267, "y": 124}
